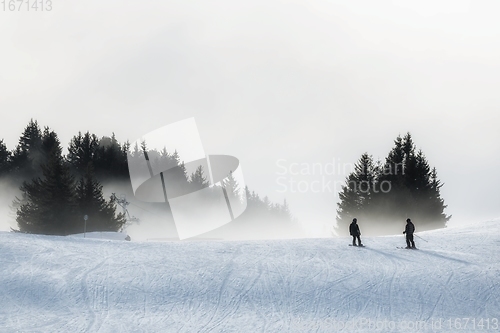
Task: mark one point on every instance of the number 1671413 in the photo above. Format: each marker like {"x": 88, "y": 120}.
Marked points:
{"x": 26, "y": 5}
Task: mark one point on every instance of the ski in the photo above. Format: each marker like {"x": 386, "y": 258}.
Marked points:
{"x": 357, "y": 245}
{"x": 404, "y": 248}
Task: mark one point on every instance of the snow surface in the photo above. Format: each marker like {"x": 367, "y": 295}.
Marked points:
{"x": 66, "y": 284}
{"x": 110, "y": 235}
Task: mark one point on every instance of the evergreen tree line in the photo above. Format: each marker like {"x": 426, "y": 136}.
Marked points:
{"x": 58, "y": 190}
{"x": 107, "y": 157}
{"x": 178, "y": 182}
{"x": 381, "y": 195}
{"x": 54, "y": 199}
{"x": 256, "y": 204}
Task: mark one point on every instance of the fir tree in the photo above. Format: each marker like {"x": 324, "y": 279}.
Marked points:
{"x": 405, "y": 186}
{"x": 123, "y": 159}
{"x": 52, "y": 204}
{"x": 436, "y": 206}
{"x": 181, "y": 172}
{"x": 26, "y": 157}
{"x": 90, "y": 202}
{"x": 50, "y": 145}
{"x": 110, "y": 159}
{"x": 393, "y": 199}
{"x": 197, "y": 180}
{"x": 81, "y": 152}
{"x": 175, "y": 177}
{"x": 232, "y": 187}
{"x": 264, "y": 208}
{"x": 356, "y": 197}
{"x": 47, "y": 204}
{"x": 5, "y": 164}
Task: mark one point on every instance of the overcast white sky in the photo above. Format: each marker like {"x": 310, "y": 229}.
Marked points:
{"x": 272, "y": 83}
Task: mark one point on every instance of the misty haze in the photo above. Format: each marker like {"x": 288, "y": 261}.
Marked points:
{"x": 249, "y": 166}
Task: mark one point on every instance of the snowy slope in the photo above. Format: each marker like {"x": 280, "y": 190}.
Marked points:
{"x": 62, "y": 284}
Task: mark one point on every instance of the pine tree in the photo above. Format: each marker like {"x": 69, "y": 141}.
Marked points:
{"x": 5, "y": 155}
{"x": 47, "y": 204}
{"x": 232, "y": 187}
{"x": 52, "y": 204}
{"x": 391, "y": 202}
{"x": 123, "y": 160}
{"x": 175, "y": 177}
{"x": 136, "y": 152}
{"x": 435, "y": 206}
{"x": 81, "y": 152}
{"x": 50, "y": 145}
{"x": 161, "y": 160}
{"x": 26, "y": 157}
{"x": 90, "y": 202}
{"x": 180, "y": 171}
{"x": 405, "y": 186}
{"x": 418, "y": 184}
{"x": 197, "y": 180}
{"x": 136, "y": 158}
{"x": 356, "y": 197}
{"x": 110, "y": 160}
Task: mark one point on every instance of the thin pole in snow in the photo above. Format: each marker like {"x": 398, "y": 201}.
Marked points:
{"x": 85, "y": 218}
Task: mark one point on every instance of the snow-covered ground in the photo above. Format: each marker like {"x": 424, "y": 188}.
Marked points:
{"x": 65, "y": 284}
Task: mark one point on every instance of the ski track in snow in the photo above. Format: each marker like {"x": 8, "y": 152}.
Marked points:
{"x": 64, "y": 284}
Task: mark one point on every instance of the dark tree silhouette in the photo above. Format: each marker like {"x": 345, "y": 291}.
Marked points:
{"x": 27, "y": 155}
{"x": 52, "y": 202}
{"x": 356, "y": 197}
{"x": 90, "y": 202}
{"x": 405, "y": 186}
{"x": 110, "y": 160}
{"x": 81, "y": 152}
{"x": 5, "y": 156}
{"x": 47, "y": 204}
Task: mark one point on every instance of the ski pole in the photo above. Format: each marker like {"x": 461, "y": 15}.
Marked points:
{"x": 421, "y": 238}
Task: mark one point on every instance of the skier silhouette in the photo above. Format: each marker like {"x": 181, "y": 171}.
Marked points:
{"x": 409, "y": 230}
{"x": 355, "y": 233}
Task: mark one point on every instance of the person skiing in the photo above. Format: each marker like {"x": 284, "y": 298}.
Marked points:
{"x": 355, "y": 233}
{"x": 409, "y": 230}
